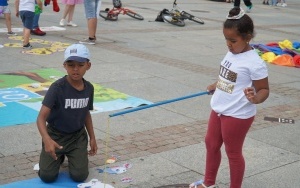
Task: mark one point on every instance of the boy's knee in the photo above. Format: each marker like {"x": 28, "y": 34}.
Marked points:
{"x": 79, "y": 176}
{"x": 47, "y": 177}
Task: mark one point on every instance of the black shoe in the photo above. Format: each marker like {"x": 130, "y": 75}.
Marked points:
{"x": 27, "y": 46}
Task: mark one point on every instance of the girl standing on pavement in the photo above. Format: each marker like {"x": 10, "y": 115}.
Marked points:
{"x": 242, "y": 83}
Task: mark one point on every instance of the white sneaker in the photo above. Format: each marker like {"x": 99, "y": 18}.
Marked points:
{"x": 62, "y": 22}
{"x": 72, "y": 24}
{"x": 284, "y": 4}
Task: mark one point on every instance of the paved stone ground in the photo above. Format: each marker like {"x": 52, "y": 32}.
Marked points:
{"x": 140, "y": 144}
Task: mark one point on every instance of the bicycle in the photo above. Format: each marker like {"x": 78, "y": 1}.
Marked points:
{"x": 113, "y": 14}
{"x": 176, "y": 16}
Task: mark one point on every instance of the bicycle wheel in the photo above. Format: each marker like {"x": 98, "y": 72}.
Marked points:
{"x": 169, "y": 18}
{"x": 192, "y": 17}
{"x": 104, "y": 14}
{"x": 134, "y": 15}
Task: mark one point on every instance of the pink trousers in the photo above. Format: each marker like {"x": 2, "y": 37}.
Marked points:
{"x": 232, "y": 132}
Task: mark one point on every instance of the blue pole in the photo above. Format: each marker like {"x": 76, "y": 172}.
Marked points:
{"x": 156, "y": 104}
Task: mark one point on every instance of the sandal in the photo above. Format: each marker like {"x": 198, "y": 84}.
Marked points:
{"x": 200, "y": 182}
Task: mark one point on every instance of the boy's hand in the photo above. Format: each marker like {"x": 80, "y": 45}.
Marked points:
{"x": 94, "y": 148}
{"x": 50, "y": 147}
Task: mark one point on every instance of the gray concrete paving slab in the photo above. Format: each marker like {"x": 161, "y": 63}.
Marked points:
{"x": 201, "y": 112}
{"x": 154, "y": 69}
{"x": 275, "y": 99}
{"x": 277, "y": 177}
{"x": 140, "y": 121}
{"x": 282, "y": 76}
{"x": 288, "y": 139}
{"x": 286, "y": 76}
{"x": 116, "y": 72}
{"x": 153, "y": 89}
{"x": 294, "y": 84}
{"x": 19, "y": 139}
{"x": 270, "y": 157}
{"x": 197, "y": 81}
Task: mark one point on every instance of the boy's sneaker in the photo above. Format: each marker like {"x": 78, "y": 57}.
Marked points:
{"x": 27, "y": 46}
{"x": 284, "y": 4}
{"x": 11, "y": 33}
{"x": 38, "y": 32}
{"x": 88, "y": 41}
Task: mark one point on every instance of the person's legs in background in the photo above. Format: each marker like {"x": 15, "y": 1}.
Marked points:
{"x": 92, "y": 26}
{"x": 266, "y": 2}
{"x": 91, "y": 10}
{"x": 237, "y": 3}
{"x": 248, "y": 4}
{"x": 66, "y": 12}
{"x": 27, "y": 20}
{"x": 35, "y": 28}
{"x": 274, "y": 2}
{"x": 7, "y": 14}
{"x": 69, "y": 11}
{"x": 70, "y": 16}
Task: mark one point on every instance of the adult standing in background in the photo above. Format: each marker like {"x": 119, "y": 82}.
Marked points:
{"x": 92, "y": 8}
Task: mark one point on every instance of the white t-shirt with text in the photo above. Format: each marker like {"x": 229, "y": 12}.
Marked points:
{"x": 237, "y": 71}
{"x": 27, "y": 5}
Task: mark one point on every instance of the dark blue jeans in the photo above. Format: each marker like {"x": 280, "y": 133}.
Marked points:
{"x": 36, "y": 21}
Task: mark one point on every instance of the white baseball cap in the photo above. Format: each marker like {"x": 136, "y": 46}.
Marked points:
{"x": 77, "y": 52}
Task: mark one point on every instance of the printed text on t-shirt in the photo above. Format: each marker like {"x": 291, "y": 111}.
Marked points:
{"x": 228, "y": 74}
{"x": 76, "y": 103}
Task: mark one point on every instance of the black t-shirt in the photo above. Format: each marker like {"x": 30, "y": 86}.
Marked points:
{"x": 69, "y": 106}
